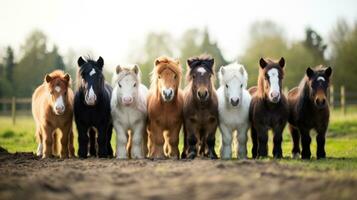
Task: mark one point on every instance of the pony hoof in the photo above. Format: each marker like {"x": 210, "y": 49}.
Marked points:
{"x": 191, "y": 155}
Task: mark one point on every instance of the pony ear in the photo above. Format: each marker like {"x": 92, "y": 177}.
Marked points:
{"x": 190, "y": 62}
{"x": 177, "y": 61}
{"x": 309, "y": 72}
{"x": 210, "y": 62}
{"x": 328, "y": 71}
{"x": 118, "y": 69}
{"x": 136, "y": 69}
{"x": 222, "y": 70}
{"x": 100, "y": 62}
{"x": 157, "y": 62}
{"x": 48, "y": 78}
{"x": 282, "y": 62}
{"x": 262, "y": 63}
{"x": 241, "y": 70}
{"x": 80, "y": 61}
{"x": 67, "y": 77}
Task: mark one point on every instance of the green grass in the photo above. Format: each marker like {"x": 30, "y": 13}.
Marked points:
{"x": 341, "y": 144}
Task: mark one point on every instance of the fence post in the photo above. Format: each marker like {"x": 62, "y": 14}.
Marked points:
{"x": 331, "y": 97}
{"x": 343, "y": 100}
{"x": 13, "y": 110}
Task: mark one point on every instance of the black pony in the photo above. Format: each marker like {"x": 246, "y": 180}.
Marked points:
{"x": 92, "y": 109}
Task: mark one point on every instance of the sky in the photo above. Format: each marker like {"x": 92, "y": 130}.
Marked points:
{"x": 114, "y": 28}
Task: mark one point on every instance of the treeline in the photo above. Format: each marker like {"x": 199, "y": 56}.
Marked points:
{"x": 20, "y": 74}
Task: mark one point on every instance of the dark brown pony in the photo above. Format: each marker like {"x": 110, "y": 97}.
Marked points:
{"x": 308, "y": 108}
{"x": 200, "y": 109}
{"x": 268, "y": 108}
{"x": 165, "y": 109}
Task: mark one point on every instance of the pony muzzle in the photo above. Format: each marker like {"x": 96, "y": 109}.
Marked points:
{"x": 274, "y": 96}
{"x": 235, "y": 101}
{"x": 202, "y": 94}
{"x": 127, "y": 100}
{"x": 59, "y": 107}
{"x": 91, "y": 97}
{"x": 320, "y": 99}
{"x": 167, "y": 94}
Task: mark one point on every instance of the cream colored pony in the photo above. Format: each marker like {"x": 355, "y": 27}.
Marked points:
{"x": 129, "y": 112}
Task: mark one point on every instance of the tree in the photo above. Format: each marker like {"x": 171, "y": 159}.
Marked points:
{"x": 314, "y": 42}
{"x": 267, "y": 40}
{"x": 343, "y": 53}
{"x": 9, "y": 63}
{"x": 36, "y": 61}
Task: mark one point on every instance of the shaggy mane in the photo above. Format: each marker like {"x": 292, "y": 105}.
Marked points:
{"x": 200, "y": 61}
{"x": 161, "y": 63}
{"x": 126, "y": 71}
{"x": 233, "y": 70}
{"x": 59, "y": 74}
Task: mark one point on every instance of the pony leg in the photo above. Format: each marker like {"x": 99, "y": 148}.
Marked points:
{"x": 122, "y": 139}
{"x": 226, "y": 143}
{"x": 70, "y": 144}
{"x": 262, "y": 134}
{"x": 109, "y": 136}
{"x": 137, "y": 141}
{"x": 305, "y": 142}
{"x": 83, "y": 140}
{"x": 157, "y": 142}
{"x": 173, "y": 138}
{"x": 47, "y": 141}
{"x": 296, "y": 141}
{"x": 254, "y": 136}
{"x": 242, "y": 141}
{"x": 320, "y": 140}
{"x": 145, "y": 144}
{"x": 64, "y": 142}
{"x": 102, "y": 141}
{"x": 192, "y": 149}
{"x": 39, "y": 142}
{"x": 92, "y": 142}
{"x": 277, "y": 140}
{"x": 211, "y": 141}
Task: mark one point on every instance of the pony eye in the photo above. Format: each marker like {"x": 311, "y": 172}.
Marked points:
{"x": 175, "y": 76}
{"x": 119, "y": 85}
{"x": 134, "y": 84}
{"x": 241, "y": 85}
{"x": 226, "y": 85}
{"x": 193, "y": 76}
{"x": 159, "y": 76}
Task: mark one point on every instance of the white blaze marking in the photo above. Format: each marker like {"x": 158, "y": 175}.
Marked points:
{"x": 91, "y": 73}
{"x": 274, "y": 80}
{"x": 320, "y": 78}
{"x": 201, "y": 70}
{"x": 91, "y": 94}
{"x": 58, "y": 89}
{"x": 59, "y": 102}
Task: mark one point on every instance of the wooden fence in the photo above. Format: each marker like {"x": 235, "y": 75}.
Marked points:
{"x": 337, "y": 99}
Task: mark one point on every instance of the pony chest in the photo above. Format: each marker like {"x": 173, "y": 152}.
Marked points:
{"x": 128, "y": 115}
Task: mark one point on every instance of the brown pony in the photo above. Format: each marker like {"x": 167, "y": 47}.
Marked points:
{"x": 308, "y": 110}
{"x": 165, "y": 102}
{"x": 200, "y": 109}
{"x": 268, "y": 108}
{"x": 52, "y": 108}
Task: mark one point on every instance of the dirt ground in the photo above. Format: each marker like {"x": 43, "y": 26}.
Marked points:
{"x": 24, "y": 176}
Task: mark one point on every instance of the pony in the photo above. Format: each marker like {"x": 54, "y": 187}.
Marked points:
{"x": 268, "y": 108}
{"x": 309, "y": 109}
{"x": 233, "y": 108}
{"x": 200, "y": 109}
{"x": 52, "y": 109}
{"x": 92, "y": 109}
{"x": 129, "y": 112}
{"x": 165, "y": 101}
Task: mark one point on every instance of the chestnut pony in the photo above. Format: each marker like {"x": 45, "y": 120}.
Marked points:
{"x": 268, "y": 108}
{"x": 164, "y": 102}
{"x": 200, "y": 109}
{"x": 309, "y": 110}
{"x": 52, "y": 109}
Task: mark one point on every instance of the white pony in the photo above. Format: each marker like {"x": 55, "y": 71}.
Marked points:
{"x": 129, "y": 112}
{"x": 233, "y": 108}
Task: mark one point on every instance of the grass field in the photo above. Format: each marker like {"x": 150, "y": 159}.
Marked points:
{"x": 341, "y": 145}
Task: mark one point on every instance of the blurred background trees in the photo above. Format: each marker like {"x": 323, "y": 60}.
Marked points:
{"x": 21, "y": 72}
